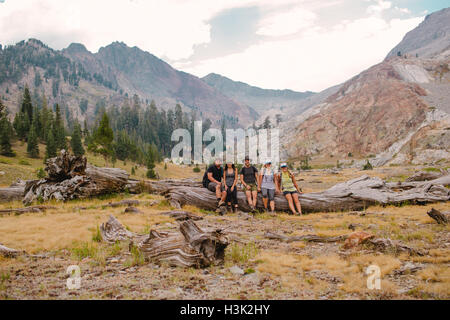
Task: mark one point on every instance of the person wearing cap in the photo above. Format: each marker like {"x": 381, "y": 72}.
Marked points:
{"x": 249, "y": 180}
{"x": 290, "y": 189}
{"x": 215, "y": 175}
{"x": 230, "y": 179}
{"x": 268, "y": 185}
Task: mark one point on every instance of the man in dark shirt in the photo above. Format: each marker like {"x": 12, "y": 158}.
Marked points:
{"x": 249, "y": 179}
{"x": 215, "y": 175}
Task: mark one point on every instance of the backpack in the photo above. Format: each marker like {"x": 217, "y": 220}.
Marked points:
{"x": 205, "y": 181}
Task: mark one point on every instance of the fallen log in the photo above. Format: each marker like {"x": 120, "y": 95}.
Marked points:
{"x": 9, "y": 253}
{"x": 356, "y": 194}
{"x": 307, "y": 238}
{"x": 182, "y": 215}
{"x": 439, "y": 217}
{"x": 192, "y": 247}
{"x": 353, "y": 240}
{"x": 11, "y": 194}
{"x": 19, "y": 211}
{"x": 424, "y": 176}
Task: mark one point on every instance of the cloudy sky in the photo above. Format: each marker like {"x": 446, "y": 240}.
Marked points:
{"x": 296, "y": 44}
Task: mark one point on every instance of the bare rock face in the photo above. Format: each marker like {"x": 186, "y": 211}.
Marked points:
{"x": 69, "y": 177}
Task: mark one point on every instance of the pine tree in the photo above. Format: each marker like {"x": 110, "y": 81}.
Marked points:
{"x": 76, "y": 143}
{"x": 27, "y": 106}
{"x": 5, "y": 133}
{"x": 58, "y": 130}
{"x": 50, "y": 150}
{"x": 33, "y": 147}
{"x": 151, "y": 174}
{"x": 102, "y": 138}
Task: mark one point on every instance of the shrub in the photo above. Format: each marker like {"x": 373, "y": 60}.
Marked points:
{"x": 40, "y": 173}
{"x": 368, "y": 165}
{"x": 24, "y": 163}
{"x": 196, "y": 169}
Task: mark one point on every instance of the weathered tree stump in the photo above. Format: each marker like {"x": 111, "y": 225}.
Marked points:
{"x": 192, "y": 247}
{"x": 69, "y": 177}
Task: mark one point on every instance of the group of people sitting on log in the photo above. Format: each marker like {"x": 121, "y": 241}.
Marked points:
{"x": 224, "y": 181}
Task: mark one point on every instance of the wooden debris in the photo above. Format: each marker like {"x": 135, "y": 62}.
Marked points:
{"x": 19, "y": 211}
{"x": 182, "y": 215}
{"x": 69, "y": 177}
{"x": 11, "y": 194}
{"x": 439, "y": 217}
{"x": 424, "y": 176}
{"x": 192, "y": 247}
{"x": 132, "y": 210}
{"x": 123, "y": 203}
{"x": 8, "y": 252}
{"x": 391, "y": 246}
{"x": 308, "y": 238}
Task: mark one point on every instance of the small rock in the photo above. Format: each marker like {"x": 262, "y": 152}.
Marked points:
{"x": 236, "y": 270}
{"x": 2, "y": 173}
{"x": 372, "y": 226}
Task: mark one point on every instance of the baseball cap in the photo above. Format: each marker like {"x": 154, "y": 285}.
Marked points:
{"x": 268, "y": 162}
{"x": 283, "y": 165}
{"x": 247, "y": 158}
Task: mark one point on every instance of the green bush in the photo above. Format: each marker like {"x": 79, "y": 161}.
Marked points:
{"x": 40, "y": 173}
{"x": 368, "y": 165}
{"x": 24, "y": 163}
{"x": 196, "y": 169}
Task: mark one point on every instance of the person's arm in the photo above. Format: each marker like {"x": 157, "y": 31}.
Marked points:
{"x": 235, "y": 178}
{"x": 242, "y": 178}
{"x": 256, "y": 175}
{"x": 211, "y": 178}
{"x": 260, "y": 180}
{"x": 295, "y": 184}
{"x": 224, "y": 179}
{"x": 277, "y": 184}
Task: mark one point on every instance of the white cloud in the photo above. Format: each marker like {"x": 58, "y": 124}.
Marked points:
{"x": 166, "y": 28}
{"x": 403, "y": 10}
{"x": 379, "y": 7}
{"x": 314, "y": 61}
{"x": 286, "y": 23}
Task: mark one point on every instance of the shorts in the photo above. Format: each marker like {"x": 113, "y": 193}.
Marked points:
{"x": 253, "y": 187}
{"x": 212, "y": 187}
{"x": 268, "y": 193}
{"x": 285, "y": 193}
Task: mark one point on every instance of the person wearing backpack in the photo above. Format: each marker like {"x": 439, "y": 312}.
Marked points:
{"x": 268, "y": 186}
{"x": 290, "y": 189}
{"x": 249, "y": 180}
{"x": 212, "y": 180}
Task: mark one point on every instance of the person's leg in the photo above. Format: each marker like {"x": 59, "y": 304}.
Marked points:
{"x": 249, "y": 197}
{"x": 265, "y": 197}
{"x": 255, "y": 198}
{"x": 297, "y": 203}
{"x": 234, "y": 198}
{"x": 272, "y": 200}
{"x": 218, "y": 192}
{"x": 290, "y": 202}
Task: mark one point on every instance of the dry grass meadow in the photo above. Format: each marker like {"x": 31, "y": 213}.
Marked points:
{"x": 272, "y": 269}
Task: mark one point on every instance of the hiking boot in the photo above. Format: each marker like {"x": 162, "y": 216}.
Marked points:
{"x": 229, "y": 209}
{"x": 235, "y": 209}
